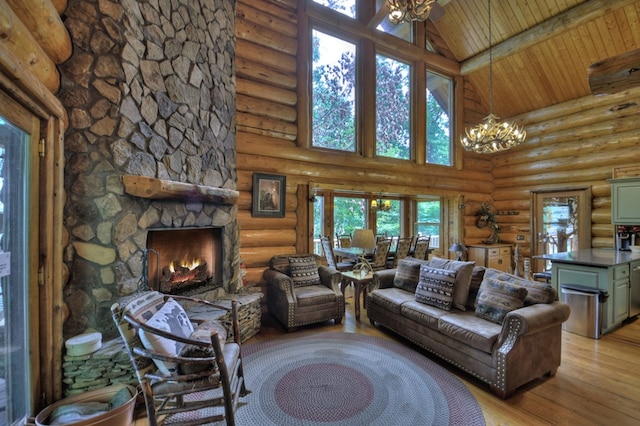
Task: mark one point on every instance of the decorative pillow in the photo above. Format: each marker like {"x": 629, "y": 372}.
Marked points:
{"x": 435, "y": 287}
{"x": 497, "y": 298}
{"x": 172, "y": 319}
{"x": 304, "y": 271}
{"x": 408, "y": 273}
{"x": 474, "y": 286}
{"x": 537, "y": 292}
{"x": 202, "y": 333}
{"x": 463, "y": 279}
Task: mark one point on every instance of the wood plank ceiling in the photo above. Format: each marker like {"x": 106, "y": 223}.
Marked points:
{"x": 542, "y": 49}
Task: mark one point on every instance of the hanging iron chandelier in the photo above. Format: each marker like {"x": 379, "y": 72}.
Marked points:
{"x": 409, "y": 10}
{"x": 380, "y": 205}
{"x": 491, "y": 135}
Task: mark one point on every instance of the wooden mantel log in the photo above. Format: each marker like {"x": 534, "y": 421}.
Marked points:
{"x": 615, "y": 74}
{"x": 159, "y": 189}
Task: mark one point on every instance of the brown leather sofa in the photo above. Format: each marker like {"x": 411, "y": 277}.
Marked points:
{"x": 293, "y": 304}
{"x": 526, "y": 346}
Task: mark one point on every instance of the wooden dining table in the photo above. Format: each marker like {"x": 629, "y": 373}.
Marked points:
{"x": 351, "y": 252}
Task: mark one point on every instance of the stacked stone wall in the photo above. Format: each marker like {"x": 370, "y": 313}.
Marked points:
{"x": 150, "y": 91}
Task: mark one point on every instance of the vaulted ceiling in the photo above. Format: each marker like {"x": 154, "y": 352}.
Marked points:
{"x": 541, "y": 49}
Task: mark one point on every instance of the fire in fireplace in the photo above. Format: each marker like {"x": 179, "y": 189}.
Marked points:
{"x": 185, "y": 260}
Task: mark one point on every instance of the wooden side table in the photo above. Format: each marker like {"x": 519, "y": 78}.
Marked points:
{"x": 361, "y": 283}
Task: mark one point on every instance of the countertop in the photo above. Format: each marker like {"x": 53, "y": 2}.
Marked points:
{"x": 593, "y": 257}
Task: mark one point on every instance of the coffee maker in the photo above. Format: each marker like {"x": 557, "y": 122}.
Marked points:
{"x": 625, "y": 238}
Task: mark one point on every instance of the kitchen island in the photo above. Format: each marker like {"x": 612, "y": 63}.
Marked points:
{"x": 616, "y": 272}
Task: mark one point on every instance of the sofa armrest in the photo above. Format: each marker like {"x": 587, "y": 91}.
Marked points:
{"x": 383, "y": 279}
{"x": 330, "y": 278}
{"x": 532, "y": 319}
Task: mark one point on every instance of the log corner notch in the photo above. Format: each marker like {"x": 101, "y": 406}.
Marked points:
{"x": 161, "y": 189}
{"x": 615, "y": 74}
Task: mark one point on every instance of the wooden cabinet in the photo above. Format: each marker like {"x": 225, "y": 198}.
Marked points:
{"x": 497, "y": 256}
{"x": 625, "y": 201}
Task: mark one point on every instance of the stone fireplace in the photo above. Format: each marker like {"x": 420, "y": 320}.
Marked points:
{"x": 185, "y": 260}
{"x": 150, "y": 93}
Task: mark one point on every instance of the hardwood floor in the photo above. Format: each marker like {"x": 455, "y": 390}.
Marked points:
{"x": 598, "y": 382}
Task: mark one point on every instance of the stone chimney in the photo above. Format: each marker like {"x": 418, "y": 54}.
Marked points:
{"x": 150, "y": 91}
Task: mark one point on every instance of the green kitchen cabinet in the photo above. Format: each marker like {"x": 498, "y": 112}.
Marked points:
{"x": 625, "y": 201}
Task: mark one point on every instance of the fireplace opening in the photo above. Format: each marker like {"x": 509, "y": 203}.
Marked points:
{"x": 185, "y": 260}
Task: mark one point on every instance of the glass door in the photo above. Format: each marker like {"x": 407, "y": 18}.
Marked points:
{"x": 562, "y": 222}
{"x": 18, "y": 243}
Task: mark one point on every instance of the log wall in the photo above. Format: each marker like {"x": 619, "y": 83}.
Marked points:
{"x": 575, "y": 144}
{"x": 268, "y": 142}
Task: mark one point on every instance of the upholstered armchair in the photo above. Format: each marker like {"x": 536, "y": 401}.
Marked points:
{"x": 301, "y": 291}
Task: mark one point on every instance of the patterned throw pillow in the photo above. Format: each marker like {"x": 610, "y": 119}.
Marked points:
{"x": 497, "y": 298}
{"x": 463, "y": 279}
{"x": 408, "y": 273}
{"x": 172, "y": 319}
{"x": 202, "y": 333}
{"x": 304, "y": 271}
{"x": 537, "y": 292}
{"x": 435, "y": 287}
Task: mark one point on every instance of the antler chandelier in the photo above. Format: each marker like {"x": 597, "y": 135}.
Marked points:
{"x": 492, "y": 136}
{"x": 409, "y": 10}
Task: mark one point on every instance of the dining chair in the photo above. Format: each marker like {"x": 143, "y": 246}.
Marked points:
{"x": 421, "y": 250}
{"x": 344, "y": 240}
{"x": 331, "y": 257}
{"x": 380, "y": 255}
{"x": 403, "y": 246}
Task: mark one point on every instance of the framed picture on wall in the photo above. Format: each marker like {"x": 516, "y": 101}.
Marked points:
{"x": 268, "y": 195}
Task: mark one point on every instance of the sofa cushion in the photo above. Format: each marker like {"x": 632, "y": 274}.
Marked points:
{"x": 426, "y": 315}
{"x": 469, "y": 329}
{"x": 408, "y": 273}
{"x": 391, "y": 298}
{"x": 476, "y": 279}
{"x": 537, "y": 292}
{"x": 312, "y": 295}
{"x": 497, "y": 298}
{"x": 170, "y": 318}
{"x": 435, "y": 287}
{"x": 463, "y": 278}
{"x": 304, "y": 271}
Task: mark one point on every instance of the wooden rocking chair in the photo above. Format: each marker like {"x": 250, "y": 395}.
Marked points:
{"x": 187, "y": 378}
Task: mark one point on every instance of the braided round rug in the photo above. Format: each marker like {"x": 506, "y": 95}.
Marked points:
{"x": 349, "y": 379}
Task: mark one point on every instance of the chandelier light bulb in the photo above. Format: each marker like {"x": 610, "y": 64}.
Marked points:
{"x": 409, "y": 10}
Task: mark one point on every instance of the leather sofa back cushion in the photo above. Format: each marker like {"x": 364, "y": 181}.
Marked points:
{"x": 537, "y": 292}
{"x": 474, "y": 286}
{"x": 435, "y": 287}
{"x": 497, "y": 298}
{"x": 408, "y": 273}
{"x": 463, "y": 278}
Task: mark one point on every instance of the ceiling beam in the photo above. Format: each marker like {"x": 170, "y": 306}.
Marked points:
{"x": 569, "y": 19}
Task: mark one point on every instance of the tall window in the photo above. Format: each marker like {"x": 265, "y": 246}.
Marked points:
{"x": 346, "y": 7}
{"x": 318, "y": 224}
{"x": 393, "y": 110}
{"x": 439, "y": 101}
{"x": 428, "y": 220}
{"x": 334, "y": 99}
{"x": 388, "y": 223}
{"x": 349, "y": 213}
